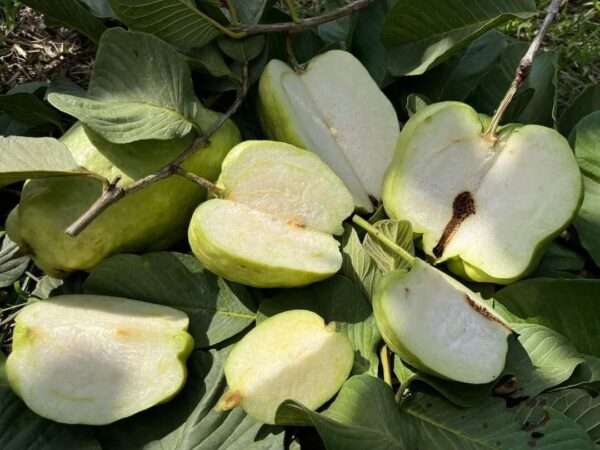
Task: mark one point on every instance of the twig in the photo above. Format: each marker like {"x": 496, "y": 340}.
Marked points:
{"x": 303, "y": 24}
{"x": 114, "y": 192}
{"x": 523, "y": 68}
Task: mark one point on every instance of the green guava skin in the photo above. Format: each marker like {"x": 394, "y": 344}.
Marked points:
{"x": 457, "y": 265}
{"x": 151, "y": 219}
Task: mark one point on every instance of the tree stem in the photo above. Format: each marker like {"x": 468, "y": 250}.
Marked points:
{"x": 385, "y": 362}
{"x": 523, "y": 69}
{"x": 406, "y": 256}
{"x": 113, "y": 192}
{"x": 302, "y": 24}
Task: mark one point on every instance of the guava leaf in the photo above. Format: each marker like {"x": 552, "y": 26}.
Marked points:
{"x": 587, "y": 102}
{"x": 249, "y": 11}
{"x": 178, "y": 22}
{"x": 243, "y": 50}
{"x": 422, "y": 34}
{"x": 414, "y": 103}
{"x": 190, "y": 422}
{"x": 399, "y": 232}
{"x": 367, "y": 44}
{"x": 12, "y": 266}
{"x": 537, "y": 95}
{"x": 217, "y": 308}
{"x": 22, "y": 429}
{"x": 559, "y": 261}
{"x": 100, "y": 8}
{"x": 70, "y": 13}
{"x": 24, "y": 157}
{"x": 567, "y": 306}
{"x": 141, "y": 89}
{"x": 357, "y": 265}
{"x": 336, "y": 300}
{"x": 586, "y": 376}
{"x": 208, "y": 59}
{"x": 585, "y": 138}
{"x": 365, "y": 415}
{"x": 28, "y": 108}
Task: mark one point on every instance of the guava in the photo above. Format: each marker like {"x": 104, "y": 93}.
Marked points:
{"x": 83, "y": 359}
{"x": 273, "y": 225}
{"x": 292, "y": 355}
{"x": 334, "y": 108}
{"x": 486, "y": 205}
{"x": 151, "y": 219}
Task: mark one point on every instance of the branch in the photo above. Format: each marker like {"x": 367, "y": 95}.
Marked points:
{"x": 303, "y": 24}
{"x": 113, "y": 192}
{"x": 523, "y": 68}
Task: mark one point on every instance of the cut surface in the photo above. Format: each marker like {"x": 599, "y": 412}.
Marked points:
{"x": 515, "y": 193}
{"x": 440, "y": 326}
{"x": 94, "y": 360}
{"x": 335, "y": 109}
{"x": 291, "y": 355}
{"x": 251, "y": 247}
{"x": 288, "y": 183}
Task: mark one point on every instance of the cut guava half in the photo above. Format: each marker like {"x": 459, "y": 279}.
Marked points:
{"x": 290, "y": 356}
{"x": 485, "y": 205}
{"x": 439, "y": 326}
{"x": 273, "y": 225}
{"x": 84, "y": 359}
{"x": 334, "y": 108}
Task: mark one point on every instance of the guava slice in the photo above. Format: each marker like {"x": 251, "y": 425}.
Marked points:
{"x": 440, "y": 326}
{"x": 334, "y": 108}
{"x": 274, "y": 225}
{"x": 84, "y": 359}
{"x": 486, "y": 206}
{"x": 292, "y": 355}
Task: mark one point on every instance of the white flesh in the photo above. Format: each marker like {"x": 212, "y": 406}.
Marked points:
{"x": 340, "y": 113}
{"x": 286, "y": 182}
{"x": 525, "y": 188}
{"x": 246, "y": 245}
{"x": 93, "y": 360}
{"x": 432, "y": 317}
{"x": 291, "y": 355}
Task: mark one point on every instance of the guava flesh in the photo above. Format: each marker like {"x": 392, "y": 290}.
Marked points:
{"x": 440, "y": 326}
{"x": 334, "y": 108}
{"x": 83, "y": 359}
{"x": 273, "y": 227}
{"x": 488, "y": 206}
{"x": 292, "y": 355}
{"x": 151, "y": 219}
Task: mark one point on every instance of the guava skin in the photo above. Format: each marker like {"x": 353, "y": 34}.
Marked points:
{"x": 151, "y": 219}
{"x": 457, "y": 264}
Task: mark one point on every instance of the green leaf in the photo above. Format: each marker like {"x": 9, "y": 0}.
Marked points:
{"x": 178, "y": 22}
{"x": 3, "y": 376}
{"x": 100, "y": 8}
{"x": 141, "y": 89}
{"x": 336, "y": 300}
{"x": 12, "y": 265}
{"x": 242, "y": 50}
{"x": 21, "y": 429}
{"x": 537, "y": 95}
{"x": 357, "y": 265}
{"x": 28, "y": 108}
{"x": 586, "y": 103}
{"x": 586, "y": 376}
{"x": 70, "y": 13}
{"x": 190, "y": 421}
{"x": 249, "y": 11}
{"x": 399, "y": 232}
{"x": 414, "y": 103}
{"x": 585, "y": 138}
{"x": 208, "y": 59}
{"x": 559, "y": 261}
{"x": 217, "y": 309}
{"x": 24, "y": 157}
{"x": 365, "y": 416}
{"x": 459, "y": 394}
{"x": 422, "y": 34}
{"x": 367, "y": 44}
{"x": 567, "y": 306}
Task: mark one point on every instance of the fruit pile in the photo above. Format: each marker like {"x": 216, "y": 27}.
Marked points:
{"x": 479, "y": 203}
